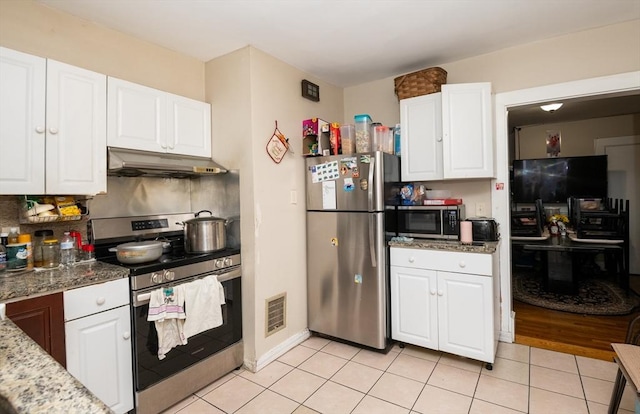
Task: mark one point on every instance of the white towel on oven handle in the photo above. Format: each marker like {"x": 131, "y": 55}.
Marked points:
{"x": 166, "y": 311}
{"x": 203, "y": 305}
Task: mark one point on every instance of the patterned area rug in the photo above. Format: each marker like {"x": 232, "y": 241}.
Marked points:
{"x": 595, "y": 296}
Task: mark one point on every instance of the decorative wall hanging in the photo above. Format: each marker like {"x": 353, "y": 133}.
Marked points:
{"x": 277, "y": 146}
{"x": 553, "y": 143}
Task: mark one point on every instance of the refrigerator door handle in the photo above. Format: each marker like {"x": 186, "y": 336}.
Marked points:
{"x": 372, "y": 167}
{"x": 372, "y": 240}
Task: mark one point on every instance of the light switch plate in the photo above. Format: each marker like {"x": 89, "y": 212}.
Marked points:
{"x": 480, "y": 210}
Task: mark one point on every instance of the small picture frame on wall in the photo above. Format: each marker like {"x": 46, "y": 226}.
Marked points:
{"x": 553, "y": 142}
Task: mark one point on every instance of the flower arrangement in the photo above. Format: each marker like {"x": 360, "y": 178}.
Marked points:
{"x": 556, "y": 218}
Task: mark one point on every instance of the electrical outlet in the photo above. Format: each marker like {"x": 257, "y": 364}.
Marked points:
{"x": 294, "y": 197}
{"x": 480, "y": 210}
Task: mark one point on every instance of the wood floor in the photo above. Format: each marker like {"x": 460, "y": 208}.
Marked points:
{"x": 585, "y": 335}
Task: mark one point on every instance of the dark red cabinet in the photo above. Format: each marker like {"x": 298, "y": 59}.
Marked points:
{"x": 42, "y": 318}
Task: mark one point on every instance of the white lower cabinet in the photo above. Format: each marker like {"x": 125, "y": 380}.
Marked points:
{"x": 98, "y": 341}
{"x": 446, "y": 301}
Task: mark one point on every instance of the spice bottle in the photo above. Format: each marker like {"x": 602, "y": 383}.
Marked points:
{"x": 3, "y": 258}
{"x": 12, "y": 238}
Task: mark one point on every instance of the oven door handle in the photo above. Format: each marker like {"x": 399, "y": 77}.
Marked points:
{"x": 143, "y": 298}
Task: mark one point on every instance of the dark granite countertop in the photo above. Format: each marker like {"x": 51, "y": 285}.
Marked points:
{"x": 33, "y": 382}
{"x": 21, "y": 285}
{"x": 30, "y": 379}
{"x": 447, "y": 245}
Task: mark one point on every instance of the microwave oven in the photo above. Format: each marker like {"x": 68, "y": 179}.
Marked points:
{"x": 429, "y": 222}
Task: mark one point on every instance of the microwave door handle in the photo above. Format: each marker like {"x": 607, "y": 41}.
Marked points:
{"x": 370, "y": 189}
{"x": 372, "y": 239}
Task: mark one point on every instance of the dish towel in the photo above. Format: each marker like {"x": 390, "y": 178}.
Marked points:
{"x": 203, "y": 305}
{"x": 166, "y": 310}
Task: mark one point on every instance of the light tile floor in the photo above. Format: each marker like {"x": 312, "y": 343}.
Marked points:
{"x": 324, "y": 376}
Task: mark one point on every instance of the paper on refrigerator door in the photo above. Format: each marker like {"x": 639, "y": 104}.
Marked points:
{"x": 324, "y": 172}
{"x": 329, "y": 195}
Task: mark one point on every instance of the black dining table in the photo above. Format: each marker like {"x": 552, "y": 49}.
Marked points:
{"x": 562, "y": 256}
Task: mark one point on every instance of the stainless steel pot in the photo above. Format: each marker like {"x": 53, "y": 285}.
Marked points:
{"x": 138, "y": 252}
{"x": 205, "y": 234}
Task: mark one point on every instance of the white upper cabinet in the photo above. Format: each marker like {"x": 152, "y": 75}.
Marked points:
{"x": 467, "y": 130}
{"x": 421, "y": 126}
{"x": 448, "y": 135}
{"x": 148, "y": 119}
{"x": 52, "y": 127}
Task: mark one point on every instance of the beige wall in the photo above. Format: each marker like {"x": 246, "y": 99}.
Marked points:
{"x": 604, "y": 51}
{"x": 577, "y": 138}
{"x": 250, "y": 90}
{"x": 33, "y": 28}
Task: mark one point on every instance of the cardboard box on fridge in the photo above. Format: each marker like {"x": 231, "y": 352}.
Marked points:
{"x": 315, "y": 133}
{"x": 313, "y": 126}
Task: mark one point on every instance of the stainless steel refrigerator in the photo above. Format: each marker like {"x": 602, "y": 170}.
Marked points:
{"x": 347, "y": 255}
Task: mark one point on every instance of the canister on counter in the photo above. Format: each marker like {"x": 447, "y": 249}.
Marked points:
{"x": 50, "y": 253}
{"x": 16, "y": 257}
{"x": 39, "y": 236}
{"x": 25, "y": 238}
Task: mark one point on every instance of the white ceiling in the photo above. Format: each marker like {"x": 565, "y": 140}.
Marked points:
{"x": 349, "y": 42}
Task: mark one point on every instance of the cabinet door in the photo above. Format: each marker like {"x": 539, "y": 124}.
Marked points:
{"x": 42, "y": 319}
{"x": 421, "y": 126}
{"x": 467, "y": 130}
{"x": 76, "y": 154}
{"x": 414, "y": 308}
{"x": 465, "y": 310}
{"x": 136, "y": 116}
{"x": 22, "y": 122}
{"x": 189, "y": 126}
{"x": 99, "y": 356}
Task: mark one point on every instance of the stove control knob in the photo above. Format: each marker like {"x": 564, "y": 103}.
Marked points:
{"x": 156, "y": 277}
{"x": 169, "y": 275}
{"x": 227, "y": 261}
{"x": 219, "y": 263}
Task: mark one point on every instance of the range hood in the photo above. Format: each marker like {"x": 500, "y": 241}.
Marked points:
{"x": 133, "y": 163}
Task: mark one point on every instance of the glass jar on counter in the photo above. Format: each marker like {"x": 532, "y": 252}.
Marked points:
{"x": 39, "y": 236}
{"x": 50, "y": 253}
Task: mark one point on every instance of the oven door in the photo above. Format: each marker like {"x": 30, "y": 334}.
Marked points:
{"x": 149, "y": 369}
{"x": 419, "y": 221}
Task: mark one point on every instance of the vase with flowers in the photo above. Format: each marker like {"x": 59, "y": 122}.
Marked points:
{"x": 558, "y": 224}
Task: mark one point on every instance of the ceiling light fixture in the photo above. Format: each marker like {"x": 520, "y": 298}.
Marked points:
{"x": 551, "y": 107}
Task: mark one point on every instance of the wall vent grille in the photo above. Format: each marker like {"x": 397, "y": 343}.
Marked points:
{"x": 276, "y": 313}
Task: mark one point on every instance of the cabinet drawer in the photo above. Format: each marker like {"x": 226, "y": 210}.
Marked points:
{"x": 459, "y": 262}
{"x": 95, "y": 298}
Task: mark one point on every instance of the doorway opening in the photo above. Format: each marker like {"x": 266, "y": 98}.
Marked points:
{"x": 507, "y": 106}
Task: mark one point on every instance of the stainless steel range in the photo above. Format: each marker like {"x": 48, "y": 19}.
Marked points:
{"x": 160, "y": 383}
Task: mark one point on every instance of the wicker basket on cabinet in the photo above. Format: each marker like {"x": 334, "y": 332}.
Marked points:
{"x": 418, "y": 83}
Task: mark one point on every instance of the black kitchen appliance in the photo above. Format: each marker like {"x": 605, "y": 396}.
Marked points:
{"x": 484, "y": 229}
{"x": 429, "y": 222}
{"x": 208, "y": 355}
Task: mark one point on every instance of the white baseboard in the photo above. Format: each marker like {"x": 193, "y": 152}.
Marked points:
{"x": 277, "y": 352}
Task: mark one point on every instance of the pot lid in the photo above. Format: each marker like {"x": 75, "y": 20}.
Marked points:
{"x": 139, "y": 245}
{"x": 205, "y": 219}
